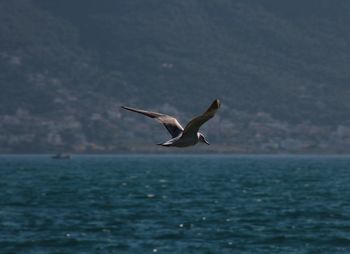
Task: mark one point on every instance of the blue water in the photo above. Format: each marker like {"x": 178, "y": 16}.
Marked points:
{"x": 174, "y": 204}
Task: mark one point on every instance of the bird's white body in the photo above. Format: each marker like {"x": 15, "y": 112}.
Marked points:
{"x": 183, "y": 140}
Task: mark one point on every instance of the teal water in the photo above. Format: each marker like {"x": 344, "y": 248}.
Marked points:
{"x": 174, "y": 204}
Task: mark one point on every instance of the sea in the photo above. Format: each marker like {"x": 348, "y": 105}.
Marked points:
{"x": 174, "y": 204}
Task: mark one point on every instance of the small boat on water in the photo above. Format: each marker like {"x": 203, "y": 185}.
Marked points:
{"x": 61, "y": 156}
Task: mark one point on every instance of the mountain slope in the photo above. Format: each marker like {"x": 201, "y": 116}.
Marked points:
{"x": 280, "y": 69}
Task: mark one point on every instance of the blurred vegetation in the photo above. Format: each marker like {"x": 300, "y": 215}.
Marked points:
{"x": 73, "y": 63}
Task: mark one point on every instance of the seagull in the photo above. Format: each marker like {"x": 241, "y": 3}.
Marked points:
{"x": 182, "y": 137}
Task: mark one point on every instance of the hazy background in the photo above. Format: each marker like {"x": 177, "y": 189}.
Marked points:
{"x": 280, "y": 68}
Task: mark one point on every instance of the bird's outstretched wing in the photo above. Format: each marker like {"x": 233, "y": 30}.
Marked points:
{"x": 193, "y": 126}
{"x": 170, "y": 123}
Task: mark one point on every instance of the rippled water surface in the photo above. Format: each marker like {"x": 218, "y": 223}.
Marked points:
{"x": 174, "y": 204}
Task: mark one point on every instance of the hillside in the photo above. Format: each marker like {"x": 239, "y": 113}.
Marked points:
{"x": 280, "y": 70}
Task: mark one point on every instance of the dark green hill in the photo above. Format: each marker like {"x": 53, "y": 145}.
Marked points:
{"x": 281, "y": 70}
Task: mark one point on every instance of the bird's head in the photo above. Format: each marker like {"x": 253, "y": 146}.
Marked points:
{"x": 202, "y": 139}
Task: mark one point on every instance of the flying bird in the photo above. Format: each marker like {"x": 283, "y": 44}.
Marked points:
{"x": 182, "y": 137}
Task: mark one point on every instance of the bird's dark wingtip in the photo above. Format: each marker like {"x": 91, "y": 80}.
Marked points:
{"x": 125, "y": 107}
{"x": 216, "y": 103}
